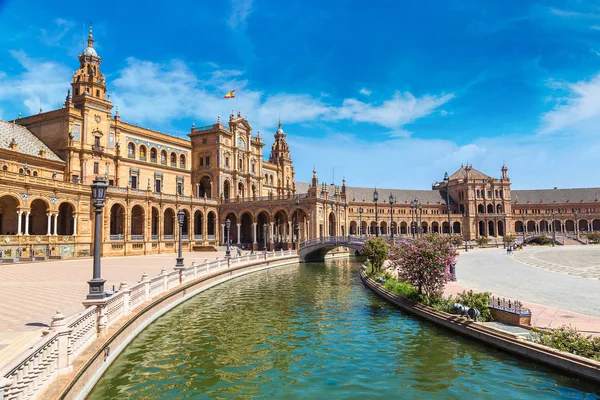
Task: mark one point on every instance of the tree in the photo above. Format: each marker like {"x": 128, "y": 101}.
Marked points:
{"x": 377, "y": 250}
{"x": 456, "y": 240}
{"x": 509, "y": 239}
{"x": 425, "y": 263}
{"x": 482, "y": 241}
{"x": 593, "y": 237}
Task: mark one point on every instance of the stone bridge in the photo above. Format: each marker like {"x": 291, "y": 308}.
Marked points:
{"x": 316, "y": 249}
{"x": 561, "y": 238}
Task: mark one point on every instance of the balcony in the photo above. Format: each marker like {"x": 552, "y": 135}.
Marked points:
{"x": 98, "y": 149}
{"x": 137, "y": 238}
{"x": 168, "y": 237}
{"x": 116, "y": 237}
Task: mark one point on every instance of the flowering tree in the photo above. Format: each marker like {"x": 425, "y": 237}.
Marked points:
{"x": 425, "y": 262}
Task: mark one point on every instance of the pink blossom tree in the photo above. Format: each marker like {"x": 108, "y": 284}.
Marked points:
{"x": 425, "y": 263}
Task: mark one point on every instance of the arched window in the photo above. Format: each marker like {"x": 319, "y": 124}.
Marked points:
{"x": 153, "y": 155}
{"x": 35, "y": 173}
{"x": 181, "y": 161}
{"x": 143, "y": 153}
{"x": 131, "y": 150}
{"x": 271, "y": 179}
{"x": 173, "y": 160}
{"x": 163, "y": 157}
{"x": 266, "y": 179}
{"x": 4, "y": 168}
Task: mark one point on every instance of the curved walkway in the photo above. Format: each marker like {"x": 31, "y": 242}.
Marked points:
{"x": 579, "y": 261}
{"x": 495, "y": 271}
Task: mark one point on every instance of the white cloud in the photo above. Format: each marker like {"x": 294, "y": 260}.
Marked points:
{"x": 579, "y": 112}
{"x": 42, "y": 83}
{"x": 240, "y": 11}
{"x": 152, "y": 92}
{"x": 365, "y": 91}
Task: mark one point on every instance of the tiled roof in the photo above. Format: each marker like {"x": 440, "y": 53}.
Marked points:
{"x": 462, "y": 174}
{"x": 549, "y": 196}
{"x": 27, "y": 142}
{"x": 402, "y": 196}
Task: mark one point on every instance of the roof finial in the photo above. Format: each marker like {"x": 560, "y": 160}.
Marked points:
{"x": 279, "y": 124}
{"x": 218, "y": 119}
{"x": 117, "y": 112}
{"x": 90, "y": 37}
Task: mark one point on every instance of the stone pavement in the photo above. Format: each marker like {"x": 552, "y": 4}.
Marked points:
{"x": 31, "y": 293}
{"x": 549, "y": 291}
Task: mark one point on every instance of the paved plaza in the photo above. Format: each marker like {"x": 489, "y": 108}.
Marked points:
{"x": 31, "y": 293}
{"x": 568, "y": 281}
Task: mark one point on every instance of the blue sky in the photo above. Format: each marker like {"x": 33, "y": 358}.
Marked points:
{"x": 392, "y": 94}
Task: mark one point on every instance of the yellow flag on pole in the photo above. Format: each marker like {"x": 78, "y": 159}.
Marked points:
{"x": 230, "y": 95}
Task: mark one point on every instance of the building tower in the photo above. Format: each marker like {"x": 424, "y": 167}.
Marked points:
{"x": 280, "y": 156}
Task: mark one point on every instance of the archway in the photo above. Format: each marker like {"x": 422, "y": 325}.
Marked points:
{"x": 482, "y": 228}
{"x": 38, "y": 219}
{"x": 155, "y": 223}
{"x": 570, "y": 225}
{"x": 246, "y": 229}
{"x": 596, "y": 225}
{"x": 332, "y": 225}
{"x": 211, "y": 222}
{"x": 137, "y": 223}
{"x": 424, "y": 227}
{"x": 383, "y": 228}
{"x": 205, "y": 187}
{"x": 435, "y": 227}
{"x": 363, "y": 228}
{"x": 519, "y": 226}
{"x": 353, "y": 228}
{"x": 116, "y": 221}
{"x": 185, "y": 229}
{"x": 583, "y": 225}
{"x": 490, "y": 209}
{"x": 233, "y": 236}
{"x": 456, "y": 228}
{"x": 531, "y": 226}
{"x": 169, "y": 224}
{"x": 556, "y": 226}
{"x": 499, "y": 208}
{"x": 281, "y": 227}
{"x": 65, "y": 225}
{"x": 544, "y": 226}
{"x": 372, "y": 228}
{"x": 299, "y": 219}
{"x": 403, "y": 228}
{"x": 500, "y": 228}
{"x": 226, "y": 190}
{"x": 262, "y": 229}
{"x": 481, "y": 209}
{"x": 198, "y": 220}
{"x": 8, "y": 215}
{"x": 491, "y": 229}
{"x": 240, "y": 191}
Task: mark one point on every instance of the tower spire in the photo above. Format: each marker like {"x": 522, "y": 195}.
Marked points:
{"x": 90, "y": 37}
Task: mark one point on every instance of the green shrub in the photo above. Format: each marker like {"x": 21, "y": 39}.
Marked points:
{"x": 403, "y": 289}
{"x": 593, "y": 237}
{"x": 456, "y": 240}
{"x": 482, "y": 241}
{"x": 567, "y": 338}
{"x": 480, "y": 301}
{"x": 440, "y": 303}
{"x": 509, "y": 239}
{"x": 377, "y": 250}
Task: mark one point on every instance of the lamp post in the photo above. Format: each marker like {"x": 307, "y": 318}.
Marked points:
{"x": 180, "y": 220}
{"x": 447, "y": 181}
{"x": 552, "y": 226}
{"x": 391, "y": 200}
{"x": 420, "y": 220}
{"x": 96, "y": 285}
{"x": 227, "y": 226}
{"x": 375, "y": 198}
{"x": 296, "y": 224}
{"x": 360, "y": 211}
{"x": 575, "y": 213}
{"x": 265, "y": 236}
{"x": 412, "y": 213}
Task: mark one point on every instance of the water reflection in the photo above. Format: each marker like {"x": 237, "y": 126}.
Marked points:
{"x": 313, "y": 331}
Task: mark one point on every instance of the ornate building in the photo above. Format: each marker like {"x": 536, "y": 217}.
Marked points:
{"x": 48, "y": 160}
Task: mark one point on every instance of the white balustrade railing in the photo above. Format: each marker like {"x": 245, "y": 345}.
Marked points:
{"x": 30, "y": 374}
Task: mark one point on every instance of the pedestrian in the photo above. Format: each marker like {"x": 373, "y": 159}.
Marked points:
{"x": 239, "y": 252}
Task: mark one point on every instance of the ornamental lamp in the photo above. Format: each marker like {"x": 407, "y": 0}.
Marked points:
{"x": 391, "y": 199}
{"x": 180, "y": 217}
{"x": 228, "y": 223}
{"x": 446, "y": 178}
{"x": 98, "y": 192}
{"x": 375, "y": 195}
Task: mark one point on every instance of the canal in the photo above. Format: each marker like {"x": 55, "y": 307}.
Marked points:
{"x": 313, "y": 331}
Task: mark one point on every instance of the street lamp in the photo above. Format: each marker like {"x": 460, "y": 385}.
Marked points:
{"x": 391, "y": 200}
{"x": 180, "y": 220}
{"x": 552, "y": 225}
{"x": 412, "y": 213}
{"x": 447, "y": 181}
{"x": 228, "y": 225}
{"x": 420, "y": 220}
{"x": 265, "y": 236}
{"x": 96, "y": 290}
{"x": 576, "y": 224}
{"x": 375, "y": 197}
{"x": 360, "y": 211}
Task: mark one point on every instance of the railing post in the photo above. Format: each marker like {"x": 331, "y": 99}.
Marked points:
{"x": 195, "y": 269}
{"x": 206, "y": 265}
{"x": 165, "y": 275}
{"x": 5, "y": 385}
{"x": 59, "y": 326}
{"x": 146, "y": 282}
{"x": 124, "y": 288}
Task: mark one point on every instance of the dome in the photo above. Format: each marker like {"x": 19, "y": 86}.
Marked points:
{"x": 89, "y": 51}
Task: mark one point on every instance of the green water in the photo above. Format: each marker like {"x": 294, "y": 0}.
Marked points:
{"x": 313, "y": 331}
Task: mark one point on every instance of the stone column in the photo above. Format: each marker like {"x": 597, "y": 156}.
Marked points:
{"x": 290, "y": 235}
{"x": 271, "y": 235}
{"x": 238, "y": 232}
{"x": 307, "y": 230}
{"x": 27, "y": 223}
{"x": 55, "y": 224}
{"x": 254, "y": 232}
{"x": 223, "y": 239}
{"x": 49, "y": 232}
{"x": 19, "y": 222}
{"x": 75, "y": 225}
